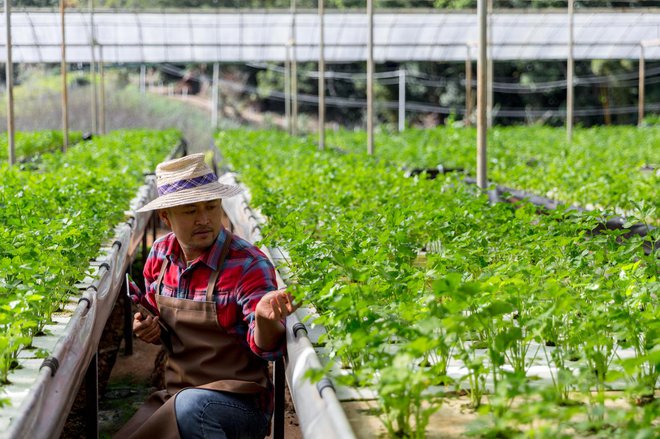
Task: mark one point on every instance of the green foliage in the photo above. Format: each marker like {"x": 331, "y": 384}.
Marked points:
{"x": 30, "y": 144}
{"x": 410, "y": 274}
{"x": 56, "y": 212}
{"x": 602, "y": 168}
{"x": 651, "y": 120}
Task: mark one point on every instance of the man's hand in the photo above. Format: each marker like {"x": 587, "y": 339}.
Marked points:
{"x": 270, "y": 311}
{"x": 148, "y": 329}
{"x": 275, "y": 306}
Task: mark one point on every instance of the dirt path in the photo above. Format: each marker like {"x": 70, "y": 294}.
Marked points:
{"x": 244, "y": 115}
{"x": 131, "y": 383}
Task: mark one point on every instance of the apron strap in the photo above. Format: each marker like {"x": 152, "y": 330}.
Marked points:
{"x": 214, "y": 275}
{"x": 163, "y": 270}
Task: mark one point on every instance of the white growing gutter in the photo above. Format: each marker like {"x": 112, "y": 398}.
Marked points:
{"x": 43, "y": 391}
{"x": 318, "y": 409}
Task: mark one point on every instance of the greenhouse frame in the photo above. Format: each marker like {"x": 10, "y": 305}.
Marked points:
{"x": 146, "y": 37}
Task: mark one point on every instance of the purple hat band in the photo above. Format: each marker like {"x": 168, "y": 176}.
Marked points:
{"x": 186, "y": 184}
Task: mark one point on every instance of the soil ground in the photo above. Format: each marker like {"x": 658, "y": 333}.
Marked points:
{"x": 244, "y": 115}
{"x": 455, "y": 418}
{"x": 448, "y": 422}
{"x": 131, "y": 382}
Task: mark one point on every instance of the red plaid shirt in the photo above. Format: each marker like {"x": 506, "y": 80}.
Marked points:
{"x": 247, "y": 275}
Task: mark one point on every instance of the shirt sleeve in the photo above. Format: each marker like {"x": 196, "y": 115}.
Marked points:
{"x": 257, "y": 280}
{"x": 151, "y": 271}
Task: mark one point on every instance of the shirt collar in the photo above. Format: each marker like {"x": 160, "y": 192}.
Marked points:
{"x": 173, "y": 252}
{"x": 210, "y": 257}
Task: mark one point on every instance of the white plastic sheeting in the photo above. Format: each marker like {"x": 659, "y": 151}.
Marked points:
{"x": 263, "y": 36}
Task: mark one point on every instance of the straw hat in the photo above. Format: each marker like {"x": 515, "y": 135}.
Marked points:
{"x": 185, "y": 181}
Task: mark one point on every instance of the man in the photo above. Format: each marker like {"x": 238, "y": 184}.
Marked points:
{"x": 216, "y": 299}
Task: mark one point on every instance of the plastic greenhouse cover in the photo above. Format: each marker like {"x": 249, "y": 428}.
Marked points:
{"x": 263, "y": 36}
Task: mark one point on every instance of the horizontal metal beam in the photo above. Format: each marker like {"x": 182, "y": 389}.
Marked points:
{"x": 314, "y": 46}
{"x": 256, "y": 35}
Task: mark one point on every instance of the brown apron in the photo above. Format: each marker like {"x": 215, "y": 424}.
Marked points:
{"x": 203, "y": 355}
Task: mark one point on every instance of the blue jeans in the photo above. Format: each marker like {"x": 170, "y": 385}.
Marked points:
{"x": 203, "y": 413}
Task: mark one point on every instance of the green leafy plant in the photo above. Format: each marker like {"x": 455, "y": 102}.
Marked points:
{"x": 415, "y": 278}
{"x": 57, "y": 210}
{"x": 30, "y": 144}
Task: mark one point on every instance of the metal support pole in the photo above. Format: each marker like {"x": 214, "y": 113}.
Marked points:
{"x": 482, "y": 81}
{"x": 321, "y": 79}
{"x": 468, "y": 88}
{"x": 128, "y": 312}
{"x": 92, "y": 69}
{"x": 294, "y": 94}
{"x": 143, "y": 79}
{"x": 279, "y": 384}
{"x": 287, "y": 88}
{"x": 65, "y": 96}
{"x": 402, "y": 100}
{"x": 490, "y": 98}
{"x": 294, "y": 72}
{"x": 144, "y": 240}
{"x": 214, "y": 95}
{"x": 154, "y": 226}
{"x": 569, "y": 76}
{"x": 220, "y": 103}
{"x": 92, "y": 397}
{"x": 102, "y": 104}
{"x": 370, "y": 78}
{"x": 642, "y": 85}
{"x": 9, "y": 78}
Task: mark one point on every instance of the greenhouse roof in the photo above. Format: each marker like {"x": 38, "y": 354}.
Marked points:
{"x": 263, "y": 36}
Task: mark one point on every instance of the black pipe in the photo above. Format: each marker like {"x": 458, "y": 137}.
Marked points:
{"x": 299, "y": 327}
{"x": 513, "y": 196}
{"x": 431, "y": 173}
{"x": 128, "y": 321}
{"x": 278, "y": 415}
{"x": 92, "y": 398}
{"x": 52, "y": 363}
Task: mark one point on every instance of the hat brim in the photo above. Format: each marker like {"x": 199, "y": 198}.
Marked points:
{"x": 208, "y": 192}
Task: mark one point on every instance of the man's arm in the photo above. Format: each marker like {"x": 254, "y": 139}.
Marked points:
{"x": 271, "y": 311}
{"x": 146, "y": 328}
{"x": 264, "y": 309}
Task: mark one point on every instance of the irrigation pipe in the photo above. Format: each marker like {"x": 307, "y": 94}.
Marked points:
{"x": 610, "y": 223}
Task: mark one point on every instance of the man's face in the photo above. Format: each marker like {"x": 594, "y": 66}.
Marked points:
{"x": 196, "y": 226}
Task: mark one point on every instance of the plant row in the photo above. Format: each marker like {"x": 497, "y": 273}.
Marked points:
{"x": 56, "y": 212}
{"x": 411, "y": 276}
{"x": 604, "y": 167}
{"x": 30, "y": 144}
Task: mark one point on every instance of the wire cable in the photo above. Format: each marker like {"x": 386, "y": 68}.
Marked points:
{"x": 613, "y": 81}
{"x": 423, "y": 107}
